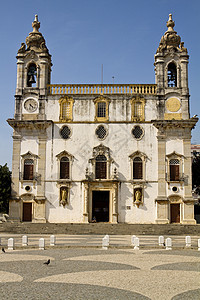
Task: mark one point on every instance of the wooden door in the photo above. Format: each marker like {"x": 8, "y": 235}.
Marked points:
{"x": 175, "y": 213}
{"x": 27, "y": 212}
{"x": 100, "y": 206}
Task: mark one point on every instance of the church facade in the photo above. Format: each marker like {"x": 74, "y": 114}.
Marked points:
{"x": 118, "y": 153}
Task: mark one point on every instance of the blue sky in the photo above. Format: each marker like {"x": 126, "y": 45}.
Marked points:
{"x": 81, "y": 35}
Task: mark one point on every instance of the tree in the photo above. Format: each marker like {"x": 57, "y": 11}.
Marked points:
{"x": 196, "y": 173}
{"x": 5, "y": 188}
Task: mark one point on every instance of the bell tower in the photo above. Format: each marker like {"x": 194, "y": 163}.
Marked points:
{"x": 33, "y": 75}
{"x": 171, "y": 70}
{"x": 174, "y": 127}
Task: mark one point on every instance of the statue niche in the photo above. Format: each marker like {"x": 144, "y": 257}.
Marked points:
{"x": 138, "y": 196}
{"x": 64, "y": 196}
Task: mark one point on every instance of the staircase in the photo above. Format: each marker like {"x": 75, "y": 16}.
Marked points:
{"x": 99, "y": 228}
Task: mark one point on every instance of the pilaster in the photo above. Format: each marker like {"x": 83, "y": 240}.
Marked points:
{"x": 41, "y": 167}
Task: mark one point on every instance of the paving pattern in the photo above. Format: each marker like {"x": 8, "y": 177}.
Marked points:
{"x": 93, "y": 273}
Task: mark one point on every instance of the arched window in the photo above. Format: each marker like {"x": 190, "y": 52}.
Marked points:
{"x": 172, "y": 75}
{"x": 28, "y": 169}
{"x": 101, "y": 167}
{"x": 174, "y": 169}
{"x": 64, "y": 168}
{"x": 31, "y": 75}
{"x": 137, "y": 168}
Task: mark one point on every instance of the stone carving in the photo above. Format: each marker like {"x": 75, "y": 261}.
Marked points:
{"x": 138, "y": 196}
{"x": 101, "y": 150}
{"x": 22, "y": 49}
{"x": 64, "y": 196}
{"x": 35, "y": 41}
{"x": 170, "y": 41}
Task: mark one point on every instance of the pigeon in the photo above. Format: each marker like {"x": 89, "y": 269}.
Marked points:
{"x": 47, "y": 262}
{"x": 3, "y": 250}
{"x": 164, "y": 244}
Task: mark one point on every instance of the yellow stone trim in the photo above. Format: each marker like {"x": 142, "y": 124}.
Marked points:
{"x": 98, "y": 100}
{"x": 171, "y": 116}
{"x": 134, "y": 115}
{"x": 100, "y": 89}
{"x": 70, "y": 102}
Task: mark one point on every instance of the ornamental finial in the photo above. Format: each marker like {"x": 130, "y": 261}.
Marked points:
{"x": 170, "y": 23}
{"x": 36, "y": 24}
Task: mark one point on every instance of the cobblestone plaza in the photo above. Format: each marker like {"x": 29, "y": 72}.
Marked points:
{"x": 78, "y": 272}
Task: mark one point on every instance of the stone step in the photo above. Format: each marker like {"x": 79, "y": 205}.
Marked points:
{"x": 99, "y": 228}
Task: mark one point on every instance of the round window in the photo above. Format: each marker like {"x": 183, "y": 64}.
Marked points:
{"x": 137, "y": 132}
{"x": 101, "y": 132}
{"x": 175, "y": 189}
{"x": 65, "y": 132}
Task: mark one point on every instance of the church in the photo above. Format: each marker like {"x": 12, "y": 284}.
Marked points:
{"x": 116, "y": 153}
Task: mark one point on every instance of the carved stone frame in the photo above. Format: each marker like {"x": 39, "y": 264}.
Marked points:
{"x": 98, "y": 100}
{"x": 70, "y": 101}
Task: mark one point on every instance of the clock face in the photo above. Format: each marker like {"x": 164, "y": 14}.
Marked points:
{"x": 31, "y": 105}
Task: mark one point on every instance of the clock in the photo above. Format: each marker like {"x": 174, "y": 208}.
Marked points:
{"x": 30, "y": 105}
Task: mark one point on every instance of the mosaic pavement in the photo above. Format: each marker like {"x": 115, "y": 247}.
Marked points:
{"x": 92, "y": 273}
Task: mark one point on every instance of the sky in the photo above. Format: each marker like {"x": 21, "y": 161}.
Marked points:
{"x": 81, "y": 35}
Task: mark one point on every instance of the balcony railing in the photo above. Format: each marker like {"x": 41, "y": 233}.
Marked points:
{"x": 34, "y": 177}
{"x": 85, "y": 89}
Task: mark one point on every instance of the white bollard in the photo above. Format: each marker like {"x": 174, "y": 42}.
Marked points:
{"x": 41, "y": 244}
{"x": 188, "y": 241}
{"x": 136, "y": 243}
{"x": 161, "y": 240}
{"x": 198, "y": 244}
{"x": 11, "y": 244}
{"x": 108, "y": 237}
{"x": 24, "y": 240}
{"x": 168, "y": 244}
{"x": 52, "y": 240}
{"x": 133, "y": 240}
{"x": 105, "y": 243}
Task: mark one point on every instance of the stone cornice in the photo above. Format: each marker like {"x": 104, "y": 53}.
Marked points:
{"x": 164, "y": 124}
{"x": 30, "y": 125}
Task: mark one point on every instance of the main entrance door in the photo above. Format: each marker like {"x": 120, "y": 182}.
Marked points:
{"x": 100, "y": 206}
{"x": 27, "y": 212}
{"x": 175, "y": 213}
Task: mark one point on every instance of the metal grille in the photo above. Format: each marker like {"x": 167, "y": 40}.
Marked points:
{"x": 101, "y": 110}
{"x": 137, "y": 132}
{"x": 28, "y": 162}
{"x": 65, "y": 132}
{"x": 174, "y": 162}
{"x": 101, "y": 132}
{"x": 66, "y": 110}
{"x": 138, "y": 109}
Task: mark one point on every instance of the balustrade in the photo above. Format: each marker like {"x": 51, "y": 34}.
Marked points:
{"x": 84, "y": 89}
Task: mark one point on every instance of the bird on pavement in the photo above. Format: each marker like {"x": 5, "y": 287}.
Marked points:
{"x": 3, "y": 250}
{"x": 47, "y": 262}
